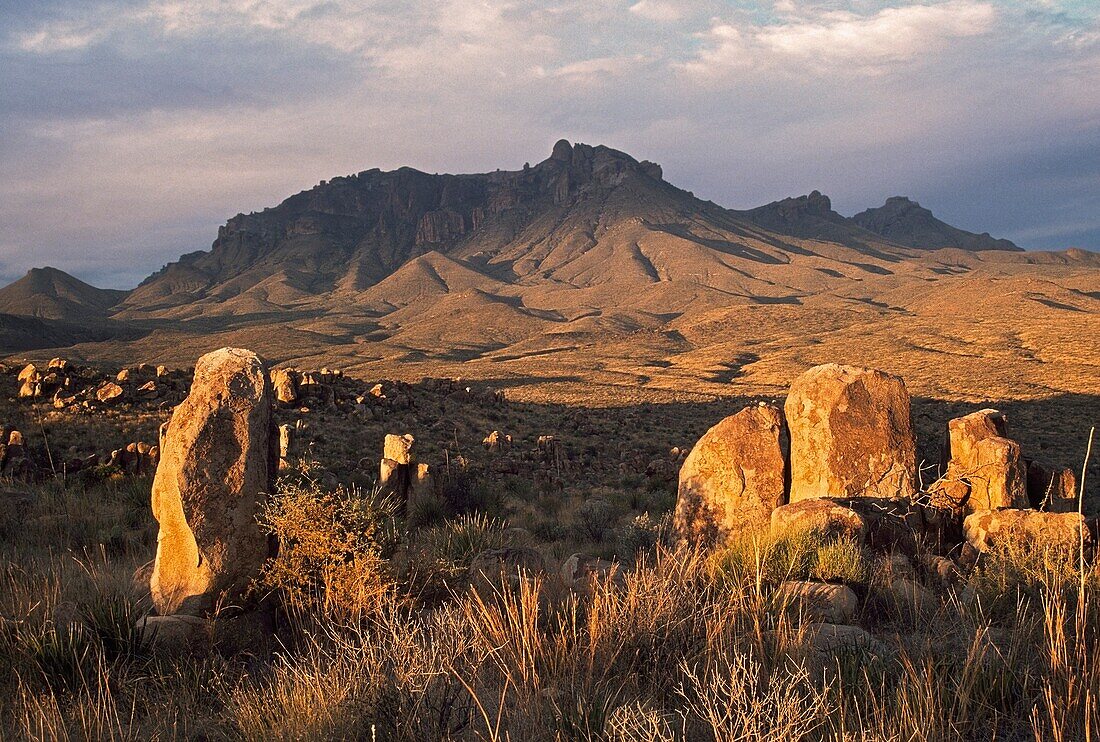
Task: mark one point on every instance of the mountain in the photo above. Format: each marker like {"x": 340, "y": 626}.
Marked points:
{"x": 588, "y": 274}
{"x": 49, "y": 293}
{"x": 906, "y": 222}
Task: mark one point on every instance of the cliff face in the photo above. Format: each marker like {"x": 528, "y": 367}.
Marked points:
{"x": 907, "y": 223}
{"x": 351, "y": 232}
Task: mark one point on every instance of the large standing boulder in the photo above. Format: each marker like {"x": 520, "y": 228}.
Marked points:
{"x": 733, "y": 478}
{"x": 985, "y": 470}
{"x": 851, "y": 435}
{"x": 217, "y": 461}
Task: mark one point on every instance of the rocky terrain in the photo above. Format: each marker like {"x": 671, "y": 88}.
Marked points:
{"x": 345, "y": 556}
{"x": 559, "y": 453}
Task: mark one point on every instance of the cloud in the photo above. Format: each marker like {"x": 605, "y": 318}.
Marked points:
{"x": 657, "y": 10}
{"x": 842, "y": 41}
{"x": 133, "y": 129}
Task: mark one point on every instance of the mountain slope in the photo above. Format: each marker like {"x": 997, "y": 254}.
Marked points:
{"x": 906, "y": 222}
{"x": 49, "y": 293}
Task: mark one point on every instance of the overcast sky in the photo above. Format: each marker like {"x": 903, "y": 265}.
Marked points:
{"x": 129, "y": 131}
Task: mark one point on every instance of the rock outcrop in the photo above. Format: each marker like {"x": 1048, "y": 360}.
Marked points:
{"x": 851, "y": 434}
{"x": 733, "y": 478}
{"x": 985, "y": 469}
{"x": 217, "y": 462}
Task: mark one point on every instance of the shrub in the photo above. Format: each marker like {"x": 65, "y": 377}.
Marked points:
{"x": 844, "y": 560}
{"x": 641, "y": 533}
{"x": 332, "y": 547}
{"x": 443, "y": 553}
{"x": 594, "y": 517}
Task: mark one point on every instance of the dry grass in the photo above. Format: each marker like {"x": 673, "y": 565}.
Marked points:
{"x": 688, "y": 646}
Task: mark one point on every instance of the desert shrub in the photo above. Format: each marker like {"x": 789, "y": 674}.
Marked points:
{"x": 765, "y": 558}
{"x": 464, "y": 489}
{"x": 442, "y": 554}
{"x": 332, "y": 547}
{"x": 641, "y": 533}
{"x": 594, "y": 518}
{"x": 842, "y": 560}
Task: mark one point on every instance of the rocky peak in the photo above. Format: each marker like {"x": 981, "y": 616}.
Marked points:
{"x": 906, "y": 222}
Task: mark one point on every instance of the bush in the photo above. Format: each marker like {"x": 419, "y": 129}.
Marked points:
{"x": 443, "y": 553}
{"x": 594, "y": 517}
{"x": 765, "y": 558}
{"x": 332, "y": 547}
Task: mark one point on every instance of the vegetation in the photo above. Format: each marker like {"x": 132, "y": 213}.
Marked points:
{"x": 684, "y": 646}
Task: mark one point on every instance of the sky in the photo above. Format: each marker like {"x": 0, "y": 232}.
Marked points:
{"x": 130, "y": 130}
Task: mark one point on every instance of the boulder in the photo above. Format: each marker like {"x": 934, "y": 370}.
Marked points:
{"x": 851, "y": 434}
{"x": 29, "y": 373}
{"x": 988, "y": 529}
{"x": 398, "y": 448}
{"x": 825, "y": 517}
{"x": 819, "y": 601}
{"x": 496, "y": 569}
{"x": 217, "y": 461}
{"x": 285, "y": 386}
{"x": 985, "y": 470}
{"x": 733, "y": 478}
{"x": 497, "y": 441}
{"x": 108, "y": 392}
{"x": 1051, "y": 489}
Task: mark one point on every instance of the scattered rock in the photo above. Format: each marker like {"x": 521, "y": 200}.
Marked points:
{"x": 733, "y": 478}
{"x": 109, "y": 393}
{"x": 851, "y": 434}
{"x": 1051, "y": 489}
{"x": 285, "y": 386}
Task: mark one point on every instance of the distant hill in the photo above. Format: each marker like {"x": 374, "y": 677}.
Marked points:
{"x": 906, "y": 222}
{"x": 49, "y": 293}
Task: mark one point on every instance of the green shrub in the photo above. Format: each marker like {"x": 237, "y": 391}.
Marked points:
{"x": 843, "y": 560}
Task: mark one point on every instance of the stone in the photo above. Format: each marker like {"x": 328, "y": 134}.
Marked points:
{"x": 29, "y": 373}
{"x": 497, "y": 441}
{"x": 123, "y": 376}
{"x": 986, "y": 530}
{"x": 851, "y": 434}
{"x": 285, "y": 385}
{"x": 376, "y": 392}
{"x": 819, "y": 601}
{"x": 824, "y": 517}
{"x": 733, "y": 478}
{"x": 496, "y": 569}
{"x": 911, "y": 599}
{"x": 286, "y": 445}
{"x": 1051, "y": 489}
{"x": 57, "y": 364}
{"x": 176, "y": 635}
{"x": 217, "y": 462}
{"x": 109, "y": 392}
{"x": 581, "y": 571}
{"x": 986, "y": 462}
{"x": 30, "y": 389}
{"x": 398, "y": 448}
